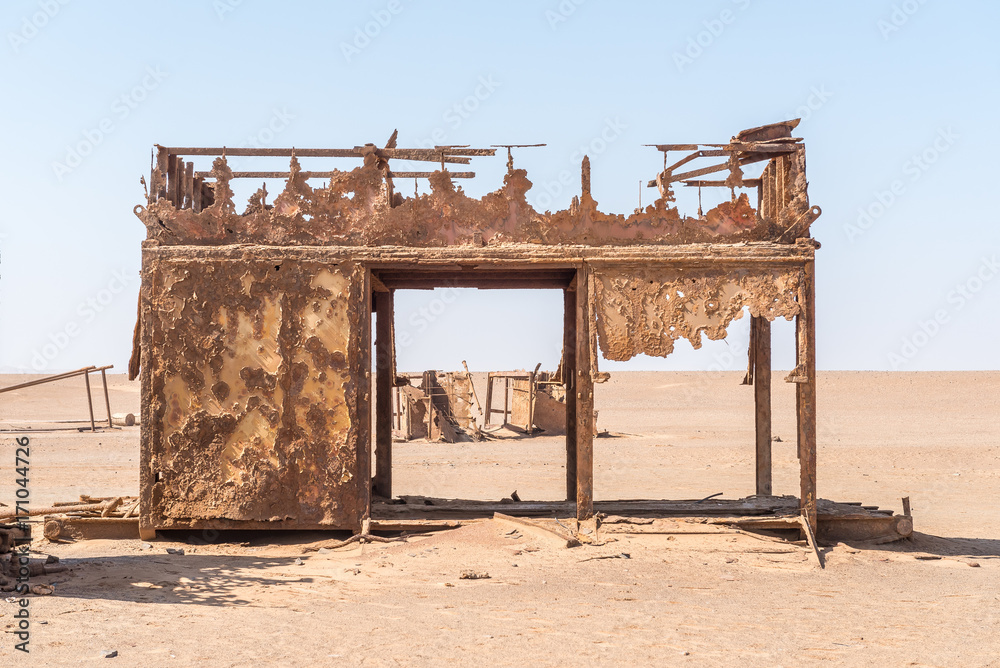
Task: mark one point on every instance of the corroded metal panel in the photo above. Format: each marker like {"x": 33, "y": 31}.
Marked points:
{"x": 646, "y": 309}
{"x": 253, "y": 372}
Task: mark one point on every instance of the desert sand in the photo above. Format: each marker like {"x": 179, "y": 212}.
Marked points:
{"x": 695, "y": 599}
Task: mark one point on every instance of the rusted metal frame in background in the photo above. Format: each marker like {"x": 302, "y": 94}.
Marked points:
{"x": 383, "y": 393}
{"x": 506, "y": 399}
{"x": 85, "y": 372}
{"x": 177, "y": 181}
{"x": 488, "y": 420}
{"x": 745, "y": 158}
{"x": 507, "y": 411}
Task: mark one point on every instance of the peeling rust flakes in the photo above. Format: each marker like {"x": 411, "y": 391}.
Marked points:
{"x": 644, "y": 311}
{"x": 353, "y": 210}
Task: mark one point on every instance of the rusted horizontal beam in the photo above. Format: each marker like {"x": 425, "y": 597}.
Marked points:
{"x": 676, "y": 147}
{"x": 472, "y": 278}
{"x": 59, "y": 376}
{"x": 789, "y": 143}
{"x": 747, "y": 183}
{"x": 463, "y": 151}
{"x": 512, "y": 255}
{"x": 330, "y": 174}
{"x": 457, "y": 155}
{"x": 480, "y": 283}
{"x": 711, "y": 170}
{"x": 427, "y": 175}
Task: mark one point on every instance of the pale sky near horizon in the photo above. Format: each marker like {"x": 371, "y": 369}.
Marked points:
{"x": 898, "y": 100}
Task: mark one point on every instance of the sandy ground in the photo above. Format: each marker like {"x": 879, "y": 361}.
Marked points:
{"x": 678, "y": 599}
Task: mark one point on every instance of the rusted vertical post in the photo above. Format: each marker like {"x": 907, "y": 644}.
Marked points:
{"x": 506, "y": 398}
{"x": 762, "y": 401}
{"x": 383, "y": 394}
{"x": 90, "y": 401}
{"x": 584, "y": 398}
{"x": 175, "y": 179}
{"x": 187, "y": 200}
{"x": 806, "y": 398}
{"x": 196, "y": 195}
{"x": 569, "y": 379}
{"x": 158, "y": 179}
{"x": 364, "y": 400}
{"x": 398, "y": 414}
{"x": 488, "y": 420}
{"x": 107, "y": 400}
{"x": 170, "y": 182}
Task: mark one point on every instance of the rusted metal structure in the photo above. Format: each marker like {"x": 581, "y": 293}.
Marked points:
{"x": 530, "y": 400}
{"x": 85, "y": 372}
{"x": 439, "y": 408}
{"x": 255, "y": 327}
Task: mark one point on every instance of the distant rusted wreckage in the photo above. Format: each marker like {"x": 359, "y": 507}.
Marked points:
{"x": 255, "y": 332}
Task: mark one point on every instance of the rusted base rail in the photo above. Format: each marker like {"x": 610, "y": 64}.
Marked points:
{"x": 85, "y": 372}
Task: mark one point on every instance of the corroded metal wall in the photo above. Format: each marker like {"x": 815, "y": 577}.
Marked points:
{"x": 251, "y": 374}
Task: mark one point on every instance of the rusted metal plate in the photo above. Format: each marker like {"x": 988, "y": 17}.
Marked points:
{"x": 253, "y": 392}
{"x": 645, "y": 310}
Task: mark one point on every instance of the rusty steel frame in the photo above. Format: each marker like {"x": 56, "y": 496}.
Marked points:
{"x": 283, "y": 297}
{"x": 85, "y": 372}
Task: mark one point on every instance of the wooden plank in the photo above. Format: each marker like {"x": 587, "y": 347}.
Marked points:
{"x": 761, "y": 330}
{"x": 584, "y": 397}
{"x": 806, "y": 395}
{"x": 383, "y": 393}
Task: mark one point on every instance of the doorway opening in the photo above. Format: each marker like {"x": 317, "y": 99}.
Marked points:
{"x": 470, "y": 341}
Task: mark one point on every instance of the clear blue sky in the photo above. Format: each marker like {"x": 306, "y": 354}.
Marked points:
{"x": 876, "y": 82}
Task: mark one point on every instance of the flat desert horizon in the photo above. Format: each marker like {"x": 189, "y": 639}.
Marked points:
{"x": 708, "y": 599}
